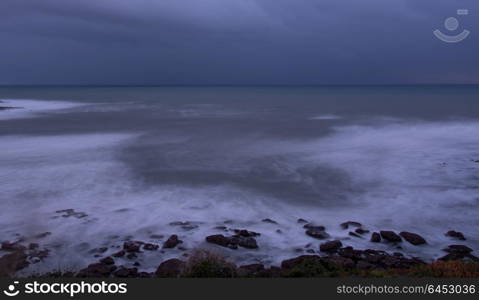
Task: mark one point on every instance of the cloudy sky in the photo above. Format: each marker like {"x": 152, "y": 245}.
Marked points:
{"x": 144, "y": 42}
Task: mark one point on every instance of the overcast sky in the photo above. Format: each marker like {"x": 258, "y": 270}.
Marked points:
{"x": 145, "y": 42}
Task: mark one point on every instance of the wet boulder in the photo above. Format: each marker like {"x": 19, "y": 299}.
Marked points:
{"x": 413, "y": 238}
{"x": 172, "y": 242}
{"x": 458, "y": 249}
{"x": 455, "y": 234}
{"x": 218, "y": 239}
{"x": 375, "y": 237}
{"x": 390, "y": 236}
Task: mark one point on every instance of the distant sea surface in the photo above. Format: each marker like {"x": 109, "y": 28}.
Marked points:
{"x": 130, "y": 160}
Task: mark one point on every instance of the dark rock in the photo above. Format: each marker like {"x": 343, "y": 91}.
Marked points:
{"x": 302, "y": 221}
{"x": 346, "y": 225}
{"x": 7, "y": 246}
{"x": 458, "y": 249}
{"x": 42, "y": 235}
{"x": 413, "y": 238}
{"x": 331, "y": 246}
{"x": 130, "y": 246}
{"x": 12, "y": 262}
{"x": 390, "y": 236}
{"x": 137, "y": 264}
{"x": 456, "y": 234}
{"x": 123, "y": 272}
{"x": 224, "y": 228}
{"x": 97, "y": 270}
{"x": 317, "y": 233}
{"x": 375, "y": 237}
{"x": 248, "y": 242}
{"x": 218, "y": 239}
{"x": 150, "y": 247}
{"x": 246, "y": 233}
{"x": 119, "y": 253}
{"x": 315, "y": 227}
{"x": 107, "y": 261}
{"x": 172, "y": 242}
{"x": 361, "y": 231}
{"x": 310, "y": 251}
{"x": 33, "y": 246}
{"x": 349, "y": 252}
{"x": 269, "y": 221}
{"x": 66, "y": 213}
{"x": 279, "y": 231}
{"x": 354, "y": 234}
{"x": 131, "y": 256}
{"x": 170, "y": 268}
{"x": 99, "y": 250}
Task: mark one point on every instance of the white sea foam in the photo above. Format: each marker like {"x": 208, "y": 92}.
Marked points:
{"x": 27, "y": 108}
{"x": 417, "y": 177}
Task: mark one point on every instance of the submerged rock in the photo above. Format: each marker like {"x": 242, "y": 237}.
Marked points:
{"x": 317, "y": 233}
{"x": 269, "y": 221}
{"x": 131, "y": 246}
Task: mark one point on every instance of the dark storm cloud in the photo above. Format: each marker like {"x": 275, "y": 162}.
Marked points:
{"x": 233, "y": 42}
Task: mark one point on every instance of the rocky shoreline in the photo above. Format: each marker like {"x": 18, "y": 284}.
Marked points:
{"x": 326, "y": 257}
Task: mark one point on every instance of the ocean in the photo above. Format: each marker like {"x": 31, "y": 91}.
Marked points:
{"x": 125, "y": 162}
